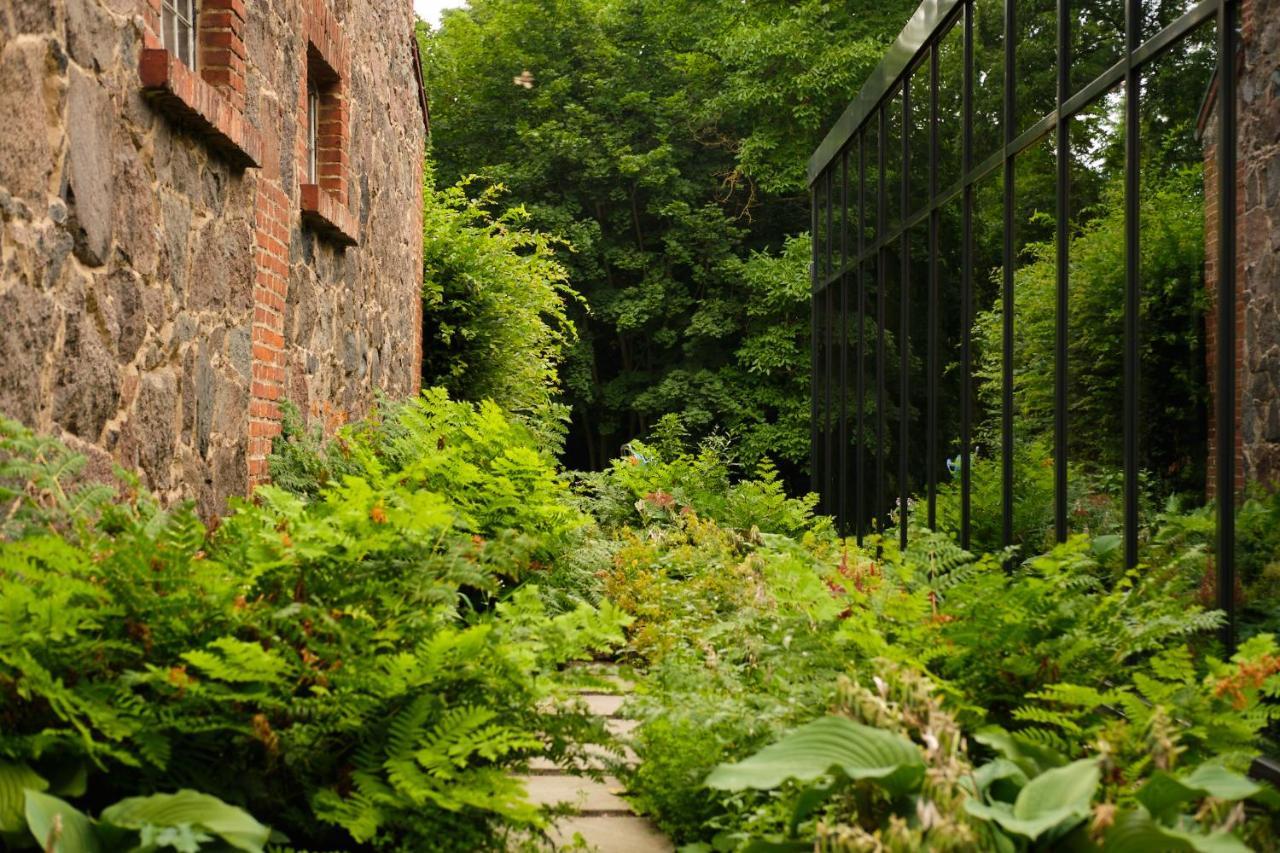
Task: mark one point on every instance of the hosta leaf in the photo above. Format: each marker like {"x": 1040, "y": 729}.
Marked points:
{"x": 1033, "y": 758}
{"x": 1052, "y": 798}
{"x": 994, "y": 771}
{"x": 58, "y": 826}
{"x": 827, "y": 744}
{"x": 14, "y": 780}
{"x": 1138, "y": 832}
{"x": 200, "y": 811}
{"x": 1163, "y": 794}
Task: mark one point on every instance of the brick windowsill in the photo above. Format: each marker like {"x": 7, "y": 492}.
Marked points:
{"x": 324, "y": 214}
{"x": 179, "y": 93}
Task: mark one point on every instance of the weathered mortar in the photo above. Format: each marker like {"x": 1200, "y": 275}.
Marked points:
{"x": 128, "y": 247}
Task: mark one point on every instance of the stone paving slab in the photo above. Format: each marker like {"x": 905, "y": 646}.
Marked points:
{"x": 612, "y": 834}
{"x": 586, "y": 795}
{"x": 621, "y": 728}
{"x": 598, "y": 758}
{"x": 603, "y": 704}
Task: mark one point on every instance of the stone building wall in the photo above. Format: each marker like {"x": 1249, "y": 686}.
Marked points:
{"x": 1257, "y": 351}
{"x": 160, "y": 292}
{"x": 1259, "y": 282}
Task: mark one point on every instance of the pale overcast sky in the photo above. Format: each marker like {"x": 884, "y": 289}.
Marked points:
{"x": 429, "y": 10}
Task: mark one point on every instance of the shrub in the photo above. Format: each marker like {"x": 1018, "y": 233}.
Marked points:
{"x": 353, "y": 660}
{"x": 495, "y": 298}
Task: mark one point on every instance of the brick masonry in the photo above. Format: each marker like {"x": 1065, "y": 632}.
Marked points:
{"x": 162, "y": 292}
{"x": 1257, "y": 351}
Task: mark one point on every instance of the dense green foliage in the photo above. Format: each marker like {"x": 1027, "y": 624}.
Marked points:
{"x": 495, "y": 302}
{"x": 354, "y": 660}
{"x": 371, "y": 651}
{"x": 1085, "y": 668}
{"x": 667, "y": 143}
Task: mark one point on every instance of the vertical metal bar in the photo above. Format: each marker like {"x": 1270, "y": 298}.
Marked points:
{"x": 1225, "y": 402}
{"x": 966, "y": 287}
{"x": 814, "y": 274}
{"x": 931, "y": 453}
{"x": 843, "y": 437}
{"x": 882, "y": 217}
{"x": 829, "y": 503}
{"x": 1010, "y": 125}
{"x": 904, "y": 333}
{"x": 1132, "y": 296}
{"x": 860, "y": 473}
{"x": 1060, "y": 376}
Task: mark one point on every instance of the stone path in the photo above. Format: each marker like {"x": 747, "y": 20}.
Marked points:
{"x": 604, "y": 820}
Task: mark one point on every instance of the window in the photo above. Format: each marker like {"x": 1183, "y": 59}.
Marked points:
{"x": 178, "y": 29}
{"x": 313, "y": 126}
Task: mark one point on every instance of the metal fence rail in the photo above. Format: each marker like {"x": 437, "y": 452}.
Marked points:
{"x": 880, "y": 200}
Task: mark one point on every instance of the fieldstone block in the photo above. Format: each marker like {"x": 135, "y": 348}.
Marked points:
{"x": 131, "y": 315}
{"x": 91, "y": 36}
{"x": 26, "y": 159}
{"x": 92, "y": 201}
{"x": 147, "y": 440}
{"x": 88, "y": 387}
{"x": 30, "y": 331}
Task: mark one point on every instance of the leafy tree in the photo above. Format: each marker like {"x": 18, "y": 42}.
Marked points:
{"x": 666, "y": 142}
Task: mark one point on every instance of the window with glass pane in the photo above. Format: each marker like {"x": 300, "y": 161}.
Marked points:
{"x": 313, "y": 126}
{"x": 178, "y": 29}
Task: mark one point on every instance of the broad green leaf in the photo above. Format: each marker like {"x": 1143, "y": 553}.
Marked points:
{"x": 1031, "y": 757}
{"x": 1000, "y": 768}
{"x": 1138, "y": 832}
{"x": 760, "y": 845}
{"x": 14, "y": 780}
{"x": 1163, "y": 794}
{"x": 200, "y": 811}
{"x": 818, "y": 748}
{"x": 1050, "y": 799}
{"x": 58, "y": 826}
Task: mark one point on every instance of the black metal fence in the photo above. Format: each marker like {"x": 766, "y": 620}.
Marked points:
{"x": 1014, "y": 337}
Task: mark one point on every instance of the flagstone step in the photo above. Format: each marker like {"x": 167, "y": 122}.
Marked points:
{"x": 603, "y": 704}
{"x": 621, "y": 728}
{"x": 614, "y": 834}
{"x": 587, "y": 796}
{"x": 598, "y": 758}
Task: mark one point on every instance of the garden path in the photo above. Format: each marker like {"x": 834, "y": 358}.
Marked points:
{"x": 604, "y": 820}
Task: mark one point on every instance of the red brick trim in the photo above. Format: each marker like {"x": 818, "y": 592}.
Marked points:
{"x": 191, "y": 102}
{"x": 220, "y": 42}
{"x": 270, "y": 287}
{"x": 322, "y": 212}
{"x": 325, "y": 39}
{"x": 328, "y": 59}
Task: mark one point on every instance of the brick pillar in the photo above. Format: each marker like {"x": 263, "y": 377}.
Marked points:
{"x": 271, "y": 280}
{"x": 221, "y": 46}
{"x": 1211, "y": 311}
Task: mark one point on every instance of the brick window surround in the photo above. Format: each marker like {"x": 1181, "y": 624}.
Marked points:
{"x": 323, "y": 201}
{"x": 209, "y": 100}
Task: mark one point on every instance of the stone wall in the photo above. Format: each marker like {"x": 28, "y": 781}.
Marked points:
{"x": 1257, "y": 350}
{"x": 1259, "y": 243}
{"x": 139, "y": 321}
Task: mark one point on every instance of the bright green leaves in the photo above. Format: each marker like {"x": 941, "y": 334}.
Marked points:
{"x": 235, "y": 661}
{"x": 1164, "y": 794}
{"x": 497, "y": 302}
{"x": 200, "y": 812}
{"x": 185, "y": 821}
{"x": 826, "y": 745}
{"x": 14, "y": 780}
{"x": 1138, "y": 832}
{"x": 1059, "y": 796}
{"x": 59, "y": 827}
